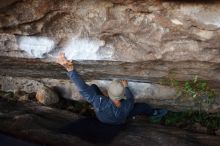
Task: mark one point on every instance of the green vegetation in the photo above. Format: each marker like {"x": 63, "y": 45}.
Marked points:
{"x": 192, "y": 88}
{"x": 188, "y": 119}
{"x": 198, "y": 90}
{"x": 202, "y": 95}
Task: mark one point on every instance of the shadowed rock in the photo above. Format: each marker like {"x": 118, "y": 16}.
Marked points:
{"x": 49, "y": 126}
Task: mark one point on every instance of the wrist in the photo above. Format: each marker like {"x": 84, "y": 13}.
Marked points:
{"x": 69, "y": 66}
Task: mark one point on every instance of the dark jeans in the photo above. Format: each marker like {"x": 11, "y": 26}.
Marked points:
{"x": 139, "y": 108}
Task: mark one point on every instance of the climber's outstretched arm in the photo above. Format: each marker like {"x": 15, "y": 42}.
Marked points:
{"x": 72, "y": 73}
{"x": 76, "y": 78}
{"x": 85, "y": 90}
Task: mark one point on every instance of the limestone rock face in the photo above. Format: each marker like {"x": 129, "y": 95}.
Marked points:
{"x": 144, "y": 41}
{"x": 46, "y": 96}
{"x": 124, "y": 31}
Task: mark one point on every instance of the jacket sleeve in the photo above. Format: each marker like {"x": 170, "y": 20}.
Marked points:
{"x": 128, "y": 94}
{"x": 84, "y": 89}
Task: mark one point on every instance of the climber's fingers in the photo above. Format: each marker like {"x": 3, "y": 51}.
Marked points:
{"x": 61, "y": 59}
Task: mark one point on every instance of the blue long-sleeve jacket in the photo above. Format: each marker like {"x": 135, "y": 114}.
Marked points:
{"x": 105, "y": 109}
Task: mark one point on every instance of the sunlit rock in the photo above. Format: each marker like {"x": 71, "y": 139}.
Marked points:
{"x": 36, "y": 47}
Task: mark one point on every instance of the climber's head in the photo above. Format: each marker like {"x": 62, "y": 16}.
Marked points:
{"x": 116, "y": 90}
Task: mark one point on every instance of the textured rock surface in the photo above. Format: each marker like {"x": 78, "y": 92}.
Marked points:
{"x": 125, "y": 31}
{"x": 142, "y": 41}
{"x": 143, "y": 83}
{"x": 154, "y": 94}
{"x": 49, "y": 126}
{"x": 46, "y": 96}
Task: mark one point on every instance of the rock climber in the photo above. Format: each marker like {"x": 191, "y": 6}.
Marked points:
{"x": 118, "y": 106}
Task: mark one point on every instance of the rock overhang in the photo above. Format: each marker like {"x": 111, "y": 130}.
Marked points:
{"x": 143, "y": 41}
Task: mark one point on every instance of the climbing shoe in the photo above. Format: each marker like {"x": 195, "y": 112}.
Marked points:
{"x": 159, "y": 113}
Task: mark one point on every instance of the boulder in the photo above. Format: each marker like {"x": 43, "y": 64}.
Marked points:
{"x": 46, "y": 96}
